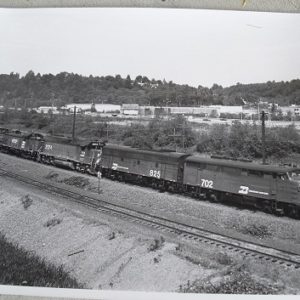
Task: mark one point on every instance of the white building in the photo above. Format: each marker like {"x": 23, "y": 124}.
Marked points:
{"x": 46, "y": 109}
{"x": 206, "y": 110}
{"x": 293, "y": 109}
{"x": 130, "y": 109}
{"x": 100, "y": 108}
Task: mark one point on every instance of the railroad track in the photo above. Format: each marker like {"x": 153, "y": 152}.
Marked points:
{"x": 163, "y": 225}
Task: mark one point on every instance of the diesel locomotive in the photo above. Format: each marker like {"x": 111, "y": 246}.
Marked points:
{"x": 273, "y": 189}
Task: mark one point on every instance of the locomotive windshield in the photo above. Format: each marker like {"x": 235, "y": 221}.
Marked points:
{"x": 294, "y": 175}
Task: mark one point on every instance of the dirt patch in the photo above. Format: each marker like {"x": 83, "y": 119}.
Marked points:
{"x": 215, "y": 260}
{"x": 77, "y": 181}
{"x": 52, "y": 175}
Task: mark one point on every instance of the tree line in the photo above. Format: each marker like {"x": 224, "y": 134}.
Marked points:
{"x": 33, "y": 90}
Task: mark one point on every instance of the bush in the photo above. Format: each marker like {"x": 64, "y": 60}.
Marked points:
{"x": 239, "y": 282}
{"x": 53, "y": 222}
{"x": 223, "y": 259}
{"x": 26, "y": 201}
{"x": 260, "y": 231}
{"x": 159, "y": 134}
{"x": 156, "y": 244}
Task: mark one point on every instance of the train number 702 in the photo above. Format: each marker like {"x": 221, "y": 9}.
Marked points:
{"x": 207, "y": 183}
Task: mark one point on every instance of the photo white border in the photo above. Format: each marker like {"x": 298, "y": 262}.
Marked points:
{"x": 288, "y": 6}
{"x": 285, "y": 6}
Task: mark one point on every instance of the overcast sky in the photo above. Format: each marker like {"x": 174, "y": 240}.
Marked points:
{"x": 196, "y": 47}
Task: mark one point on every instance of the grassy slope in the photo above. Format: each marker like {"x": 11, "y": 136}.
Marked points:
{"x": 19, "y": 267}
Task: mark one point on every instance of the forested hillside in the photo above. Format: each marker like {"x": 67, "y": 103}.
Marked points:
{"x": 34, "y": 90}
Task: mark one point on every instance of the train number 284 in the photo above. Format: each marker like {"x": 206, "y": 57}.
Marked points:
{"x": 155, "y": 173}
{"x": 207, "y": 183}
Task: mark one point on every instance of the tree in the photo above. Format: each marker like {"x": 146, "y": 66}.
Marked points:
{"x": 273, "y": 108}
{"x": 289, "y": 116}
{"x": 138, "y": 78}
{"x": 279, "y": 115}
{"x": 145, "y": 79}
{"x": 128, "y": 82}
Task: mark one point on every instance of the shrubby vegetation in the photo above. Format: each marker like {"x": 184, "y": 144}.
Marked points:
{"x": 160, "y": 134}
{"x": 238, "y": 140}
{"x": 244, "y": 141}
{"x": 33, "y": 90}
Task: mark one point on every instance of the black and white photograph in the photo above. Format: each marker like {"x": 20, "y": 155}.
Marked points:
{"x": 150, "y": 150}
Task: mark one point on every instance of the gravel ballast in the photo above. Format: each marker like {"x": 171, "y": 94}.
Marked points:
{"x": 280, "y": 232}
{"x": 108, "y": 254}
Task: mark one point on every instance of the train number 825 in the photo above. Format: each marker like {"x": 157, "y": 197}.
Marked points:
{"x": 154, "y": 173}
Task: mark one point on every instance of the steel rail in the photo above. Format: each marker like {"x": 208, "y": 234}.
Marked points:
{"x": 187, "y": 232}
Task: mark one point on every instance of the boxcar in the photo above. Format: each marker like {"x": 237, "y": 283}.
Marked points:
{"x": 159, "y": 169}
{"x": 271, "y": 188}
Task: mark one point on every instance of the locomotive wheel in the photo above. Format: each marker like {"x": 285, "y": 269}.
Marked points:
{"x": 266, "y": 207}
{"x": 170, "y": 189}
{"x": 213, "y": 198}
{"x": 292, "y": 211}
{"x": 161, "y": 189}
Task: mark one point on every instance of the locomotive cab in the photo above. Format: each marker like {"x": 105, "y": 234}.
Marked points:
{"x": 294, "y": 177}
{"x": 90, "y": 156}
{"x": 288, "y": 192}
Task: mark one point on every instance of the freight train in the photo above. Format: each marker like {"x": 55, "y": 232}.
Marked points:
{"x": 273, "y": 189}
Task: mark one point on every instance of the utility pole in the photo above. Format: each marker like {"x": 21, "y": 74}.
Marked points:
{"x": 183, "y": 136}
{"x": 174, "y": 135}
{"x": 263, "y": 136}
{"x": 99, "y": 176}
{"x": 73, "y": 130}
{"x": 107, "y": 132}
{"x": 183, "y": 133}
